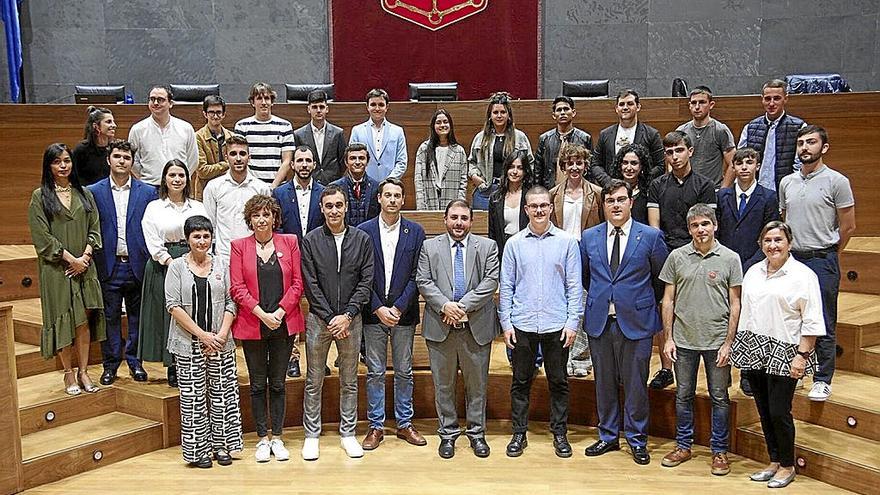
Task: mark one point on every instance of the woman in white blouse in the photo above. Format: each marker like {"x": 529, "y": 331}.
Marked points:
{"x": 780, "y": 319}
{"x": 441, "y": 165}
{"x": 163, "y": 234}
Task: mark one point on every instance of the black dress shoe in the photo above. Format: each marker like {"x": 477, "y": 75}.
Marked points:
{"x": 223, "y": 458}
{"x": 172, "y": 379}
{"x": 204, "y": 463}
{"x": 447, "y": 448}
{"x": 601, "y": 447}
{"x": 138, "y": 373}
{"x": 108, "y": 377}
{"x": 293, "y": 369}
{"x": 327, "y": 370}
{"x": 745, "y": 386}
{"x": 561, "y": 445}
{"x": 662, "y": 379}
{"x": 481, "y": 448}
{"x": 640, "y": 455}
{"x": 516, "y": 445}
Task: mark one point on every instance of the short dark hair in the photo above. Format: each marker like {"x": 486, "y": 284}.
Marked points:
{"x": 317, "y": 96}
{"x": 394, "y": 181}
{"x": 614, "y": 185}
{"x": 702, "y": 210}
{"x": 814, "y": 129}
{"x": 237, "y": 139}
{"x": 354, "y": 147}
{"x": 675, "y": 137}
{"x": 118, "y": 144}
{"x": 741, "y": 154}
{"x": 163, "y": 185}
{"x": 458, "y": 202}
{"x": 163, "y": 87}
{"x": 561, "y": 98}
{"x": 536, "y": 190}
{"x": 213, "y": 100}
{"x": 627, "y": 91}
{"x": 377, "y": 93}
{"x": 333, "y": 189}
{"x": 775, "y": 83}
{"x": 701, "y": 90}
{"x": 303, "y": 147}
{"x": 262, "y": 202}
{"x": 196, "y": 223}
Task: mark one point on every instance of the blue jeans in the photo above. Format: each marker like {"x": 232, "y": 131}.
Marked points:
{"x": 686, "y": 366}
{"x": 827, "y": 269}
{"x": 481, "y": 198}
{"x": 376, "y": 340}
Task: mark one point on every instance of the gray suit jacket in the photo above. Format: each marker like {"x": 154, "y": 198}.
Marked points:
{"x": 331, "y": 165}
{"x": 434, "y": 279}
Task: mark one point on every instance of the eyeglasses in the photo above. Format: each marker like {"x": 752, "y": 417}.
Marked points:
{"x": 215, "y": 113}
{"x": 536, "y": 207}
{"x": 619, "y": 200}
{"x": 158, "y": 99}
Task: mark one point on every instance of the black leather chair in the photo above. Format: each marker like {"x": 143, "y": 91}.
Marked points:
{"x": 299, "y": 93}
{"x": 117, "y": 92}
{"x": 433, "y": 91}
{"x": 587, "y": 88}
{"x": 679, "y": 87}
{"x": 193, "y": 93}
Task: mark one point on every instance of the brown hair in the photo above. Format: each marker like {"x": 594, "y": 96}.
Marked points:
{"x": 569, "y": 151}
{"x": 262, "y": 202}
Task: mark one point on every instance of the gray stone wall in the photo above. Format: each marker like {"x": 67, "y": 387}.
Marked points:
{"x": 730, "y": 45}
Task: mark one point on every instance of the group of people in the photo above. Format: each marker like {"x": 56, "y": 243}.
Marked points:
{"x": 593, "y": 252}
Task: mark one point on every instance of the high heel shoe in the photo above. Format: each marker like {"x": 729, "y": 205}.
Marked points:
{"x": 71, "y": 389}
{"x": 87, "y": 383}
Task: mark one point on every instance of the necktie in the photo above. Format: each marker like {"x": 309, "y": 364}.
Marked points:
{"x": 458, "y": 272}
{"x": 767, "y": 175}
{"x": 615, "y": 251}
{"x": 357, "y": 190}
{"x": 742, "y": 205}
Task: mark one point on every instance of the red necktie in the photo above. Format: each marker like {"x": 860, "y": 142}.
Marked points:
{"x": 357, "y": 190}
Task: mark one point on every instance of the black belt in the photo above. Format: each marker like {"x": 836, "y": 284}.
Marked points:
{"x": 815, "y": 253}
{"x": 122, "y": 259}
{"x": 461, "y": 325}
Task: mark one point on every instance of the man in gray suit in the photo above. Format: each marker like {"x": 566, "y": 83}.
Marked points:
{"x": 325, "y": 140}
{"x": 458, "y": 276}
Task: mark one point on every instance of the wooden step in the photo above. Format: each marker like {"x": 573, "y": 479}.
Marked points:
{"x": 852, "y": 408}
{"x": 869, "y": 360}
{"x": 29, "y": 361}
{"x": 27, "y": 318}
{"x": 835, "y": 457}
{"x": 860, "y": 266}
{"x": 56, "y": 453}
{"x": 43, "y": 403}
{"x": 858, "y": 326}
{"x": 18, "y": 272}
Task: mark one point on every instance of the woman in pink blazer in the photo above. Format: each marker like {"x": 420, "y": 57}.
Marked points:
{"x": 266, "y": 283}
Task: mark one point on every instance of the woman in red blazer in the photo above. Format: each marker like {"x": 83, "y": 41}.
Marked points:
{"x": 266, "y": 283}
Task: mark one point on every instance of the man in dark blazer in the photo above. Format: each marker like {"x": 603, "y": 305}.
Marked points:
{"x": 326, "y": 140}
{"x": 457, "y": 276}
{"x": 621, "y": 258}
{"x": 627, "y": 130}
{"x": 121, "y": 200}
{"x": 393, "y": 312}
{"x": 359, "y": 188}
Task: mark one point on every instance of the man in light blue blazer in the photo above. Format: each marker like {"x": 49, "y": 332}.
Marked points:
{"x": 385, "y": 141}
{"x": 121, "y": 200}
{"x": 621, "y": 260}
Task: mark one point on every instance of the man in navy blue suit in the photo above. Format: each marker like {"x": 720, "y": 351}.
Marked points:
{"x": 300, "y": 202}
{"x": 393, "y": 313}
{"x": 621, "y": 259}
{"x": 121, "y": 201}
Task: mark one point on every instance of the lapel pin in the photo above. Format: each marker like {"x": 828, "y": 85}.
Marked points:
{"x": 406, "y": 231}
{"x": 279, "y": 254}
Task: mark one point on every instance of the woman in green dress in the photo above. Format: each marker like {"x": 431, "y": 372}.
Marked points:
{"x": 65, "y": 230}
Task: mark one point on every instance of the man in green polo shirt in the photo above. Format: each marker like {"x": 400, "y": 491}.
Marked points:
{"x": 700, "y": 315}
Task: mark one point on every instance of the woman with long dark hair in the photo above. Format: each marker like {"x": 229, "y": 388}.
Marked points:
{"x": 66, "y": 231}
{"x": 163, "y": 233}
{"x": 632, "y": 165}
{"x": 441, "y": 165}
{"x": 507, "y": 214}
{"x": 491, "y": 146}
{"x": 90, "y": 155}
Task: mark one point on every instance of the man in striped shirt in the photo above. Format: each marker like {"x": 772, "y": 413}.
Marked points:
{"x": 270, "y": 138}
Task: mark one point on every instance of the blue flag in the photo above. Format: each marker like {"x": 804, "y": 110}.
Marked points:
{"x": 13, "y": 46}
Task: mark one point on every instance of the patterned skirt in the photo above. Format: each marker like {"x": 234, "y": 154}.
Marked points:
{"x": 751, "y": 351}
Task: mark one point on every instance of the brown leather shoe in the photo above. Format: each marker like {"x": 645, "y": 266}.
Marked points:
{"x": 720, "y": 464}
{"x": 373, "y": 439}
{"x": 412, "y": 436}
{"x": 676, "y": 457}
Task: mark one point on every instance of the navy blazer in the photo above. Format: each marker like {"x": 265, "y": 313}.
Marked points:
{"x": 604, "y": 154}
{"x": 403, "y": 293}
{"x": 285, "y": 194}
{"x": 139, "y": 196}
{"x": 632, "y": 287}
{"x": 741, "y": 234}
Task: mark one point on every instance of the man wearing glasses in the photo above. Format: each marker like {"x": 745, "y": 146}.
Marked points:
{"x": 540, "y": 304}
{"x": 211, "y": 142}
{"x": 161, "y": 137}
{"x": 621, "y": 258}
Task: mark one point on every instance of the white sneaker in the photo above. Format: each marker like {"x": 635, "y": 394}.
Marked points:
{"x": 820, "y": 391}
{"x": 264, "y": 451}
{"x": 352, "y": 447}
{"x": 310, "y": 449}
{"x": 278, "y": 450}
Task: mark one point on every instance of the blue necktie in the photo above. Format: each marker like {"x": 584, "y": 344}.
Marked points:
{"x": 742, "y": 205}
{"x": 767, "y": 174}
{"x": 458, "y": 273}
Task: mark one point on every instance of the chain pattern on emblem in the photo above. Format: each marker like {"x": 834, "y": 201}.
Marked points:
{"x": 435, "y": 16}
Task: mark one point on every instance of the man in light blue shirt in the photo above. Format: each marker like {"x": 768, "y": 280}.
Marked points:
{"x": 540, "y": 304}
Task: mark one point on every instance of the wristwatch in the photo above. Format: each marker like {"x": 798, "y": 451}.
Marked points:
{"x": 805, "y": 354}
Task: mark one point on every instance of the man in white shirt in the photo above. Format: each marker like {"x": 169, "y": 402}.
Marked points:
{"x": 224, "y": 197}
{"x": 160, "y": 138}
{"x": 270, "y": 137}
{"x": 324, "y": 139}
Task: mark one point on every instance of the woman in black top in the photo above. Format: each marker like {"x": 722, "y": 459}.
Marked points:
{"x": 90, "y": 155}
{"x": 632, "y": 165}
{"x": 516, "y": 179}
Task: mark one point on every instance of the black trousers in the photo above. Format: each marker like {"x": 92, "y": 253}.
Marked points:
{"x": 555, "y": 359}
{"x": 267, "y": 365}
{"x": 773, "y": 396}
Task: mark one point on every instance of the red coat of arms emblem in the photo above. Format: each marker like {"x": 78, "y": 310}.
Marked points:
{"x": 434, "y": 14}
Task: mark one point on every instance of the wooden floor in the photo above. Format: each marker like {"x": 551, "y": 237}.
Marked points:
{"x": 396, "y": 467}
